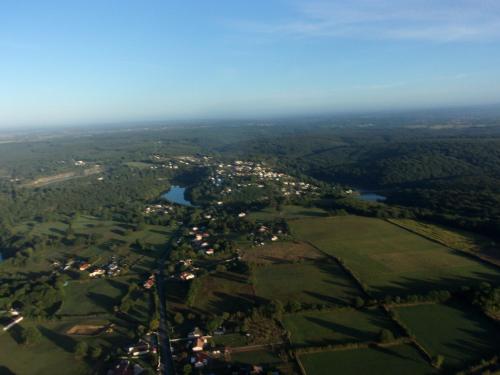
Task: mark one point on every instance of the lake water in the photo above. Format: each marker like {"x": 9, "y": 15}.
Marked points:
{"x": 176, "y": 194}
{"x": 371, "y": 197}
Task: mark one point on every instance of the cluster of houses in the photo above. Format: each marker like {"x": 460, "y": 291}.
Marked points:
{"x": 162, "y": 209}
{"x": 194, "y": 349}
{"x": 200, "y": 240}
{"x": 145, "y": 346}
{"x": 110, "y": 269}
{"x": 264, "y": 233}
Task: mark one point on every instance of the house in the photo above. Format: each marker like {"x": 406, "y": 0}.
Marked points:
{"x": 187, "y": 276}
{"x": 13, "y": 323}
{"x": 84, "y": 266}
{"x": 199, "y": 344}
{"x": 196, "y": 333}
{"x": 242, "y": 214}
{"x": 97, "y": 272}
{"x": 274, "y": 238}
{"x": 209, "y": 251}
{"x": 148, "y": 284}
{"x": 199, "y": 360}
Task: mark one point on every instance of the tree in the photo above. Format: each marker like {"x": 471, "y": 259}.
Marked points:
{"x": 294, "y": 306}
{"x": 187, "y": 369}
{"x": 154, "y": 324}
{"x": 179, "y": 318}
{"x": 359, "y": 302}
{"x": 95, "y": 352}
{"x": 81, "y": 349}
{"x": 438, "y": 361}
{"x": 30, "y": 335}
{"x": 214, "y": 323}
{"x": 386, "y": 336}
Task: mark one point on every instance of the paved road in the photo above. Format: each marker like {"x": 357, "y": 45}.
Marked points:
{"x": 167, "y": 363}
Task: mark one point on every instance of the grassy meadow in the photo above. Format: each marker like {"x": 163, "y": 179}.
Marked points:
{"x": 394, "y": 360}
{"x": 320, "y": 328}
{"x": 461, "y": 334}
{"x": 389, "y": 259}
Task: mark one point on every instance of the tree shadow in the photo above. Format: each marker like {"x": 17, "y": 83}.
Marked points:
{"x": 6, "y": 371}
{"x": 63, "y": 341}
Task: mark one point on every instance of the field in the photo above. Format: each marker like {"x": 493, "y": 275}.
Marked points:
{"x": 389, "y": 259}
{"x": 459, "y": 333}
{"x": 258, "y": 357}
{"x": 224, "y": 292}
{"x": 288, "y": 212}
{"x": 319, "y": 328}
{"x": 455, "y": 239}
{"x": 318, "y": 282}
{"x": 280, "y": 253}
{"x": 92, "y": 296}
{"x": 395, "y": 360}
{"x": 112, "y": 239}
{"x": 54, "y": 351}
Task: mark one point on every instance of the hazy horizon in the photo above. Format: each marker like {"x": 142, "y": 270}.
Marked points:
{"x": 111, "y": 62}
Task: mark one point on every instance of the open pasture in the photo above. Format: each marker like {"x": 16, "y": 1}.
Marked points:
{"x": 92, "y": 296}
{"x": 394, "y": 360}
{"x": 320, "y": 328}
{"x": 281, "y": 252}
{"x": 389, "y": 259}
{"x": 224, "y": 292}
{"x": 461, "y": 334}
{"x": 287, "y": 212}
{"x": 318, "y": 282}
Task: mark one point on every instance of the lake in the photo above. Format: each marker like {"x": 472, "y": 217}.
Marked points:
{"x": 176, "y": 194}
{"x": 371, "y": 197}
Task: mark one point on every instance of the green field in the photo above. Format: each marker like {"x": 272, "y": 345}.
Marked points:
{"x": 459, "y": 333}
{"x": 53, "y": 354}
{"x": 288, "y": 212}
{"x": 389, "y": 259}
{"x": 258, "y": 357}
{"x": 319, "y": 328}
{"x": 92, "y": 296}
{"x": 224, "y": 292}
{"x": 319, "y": 282}
{"x": 395, "y": 360}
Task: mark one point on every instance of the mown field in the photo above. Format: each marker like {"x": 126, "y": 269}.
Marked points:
{"x": 461, "y": 334}
{"x": 92, "y": 296}
{"x": 394, "y": 360}
{"x": 389, "y": 259}
{"x": 317, "y": 282}
{"x": 287, "y": 212}
{"x": 320, "y": 328}
{"x": 53, "y": 354}
{"x": 224, "y": 292}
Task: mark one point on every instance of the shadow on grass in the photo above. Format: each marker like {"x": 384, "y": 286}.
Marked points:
{"x": 63, "y": 341}
{"x": 6, "y": 371}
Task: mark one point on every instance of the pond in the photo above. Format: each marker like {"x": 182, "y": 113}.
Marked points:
{"x": 176, "y": 194}
{"x": 371, "y": 197}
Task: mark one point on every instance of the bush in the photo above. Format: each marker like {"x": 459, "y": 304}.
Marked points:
{"x": 30, "y": 335}
{"x": 386, "y": 336}
{"x": 81, "y": 349}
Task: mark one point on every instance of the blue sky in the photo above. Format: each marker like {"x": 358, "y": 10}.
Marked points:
{"x": 78, "y": 62}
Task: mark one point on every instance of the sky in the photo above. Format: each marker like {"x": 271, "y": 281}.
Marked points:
{"x": 101, "y": 61}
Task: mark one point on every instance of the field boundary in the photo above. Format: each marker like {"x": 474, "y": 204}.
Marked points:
{"x": 346, "y": 269}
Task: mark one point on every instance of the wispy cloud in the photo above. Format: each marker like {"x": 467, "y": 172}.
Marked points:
{"x": 427, "y": 20}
